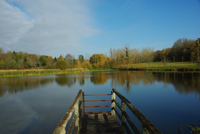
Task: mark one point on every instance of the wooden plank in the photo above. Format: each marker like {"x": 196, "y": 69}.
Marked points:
{"x": 97, "y": 112}
{"x": 138, "y": 114}
{"x": 100, "y": 124}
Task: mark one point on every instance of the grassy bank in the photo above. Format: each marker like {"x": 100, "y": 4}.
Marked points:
{"x": 31, "y": 72}
{"x": 161, "y": 65}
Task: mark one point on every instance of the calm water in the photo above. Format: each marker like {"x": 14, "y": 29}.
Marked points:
{"x": 36, "y": 104}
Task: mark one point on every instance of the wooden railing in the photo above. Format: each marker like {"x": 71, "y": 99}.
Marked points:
{"x": 147, "y": 126}
{"x": 94, "y": 101}
{"x": 77, "y": 108}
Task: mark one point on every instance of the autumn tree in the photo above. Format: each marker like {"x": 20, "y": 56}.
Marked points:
{"x": 60, "y": 58}
{"x": 62, "y": 64}
{"x": 98, "y": 60}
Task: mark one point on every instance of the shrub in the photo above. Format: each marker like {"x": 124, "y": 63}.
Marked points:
{"x": 62, "y": 65}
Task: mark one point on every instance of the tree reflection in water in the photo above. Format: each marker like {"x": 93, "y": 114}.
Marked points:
{"x": 20, "y": 84}
{"x": 184, "y": 83}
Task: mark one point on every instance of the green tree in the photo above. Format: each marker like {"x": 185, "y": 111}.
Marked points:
{"x": 42, "y": 61}
{"x": 62, "y": 65}
{"x": 198, "y": 47}
{"x": 81, "y": 58}
{"x": 164, "y": 54}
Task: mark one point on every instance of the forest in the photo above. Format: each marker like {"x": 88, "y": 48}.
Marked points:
{"x": 183, "y": 50}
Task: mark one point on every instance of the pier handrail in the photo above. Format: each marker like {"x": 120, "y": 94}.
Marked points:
{"x": 103, "y": 112}
{"x": 77, "y": 108}
{"x": 147, "y": 126}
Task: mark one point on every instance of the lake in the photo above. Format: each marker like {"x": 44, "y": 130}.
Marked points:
{"x": 36, "y": 104}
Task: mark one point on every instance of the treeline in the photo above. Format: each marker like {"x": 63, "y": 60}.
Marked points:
{"x": 182, "y": 50}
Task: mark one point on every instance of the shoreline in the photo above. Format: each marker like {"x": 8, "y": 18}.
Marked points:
{"x": 35, "y": 72}
{"x": 163, "y": 69}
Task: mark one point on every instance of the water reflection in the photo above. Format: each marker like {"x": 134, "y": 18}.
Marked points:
{"x": 20, "y": 84}
{"x": 183, "y": 82}
{"x": 63, "y": 80}
{"x": 81, "y": 80}
{"x": 99, "y": 78}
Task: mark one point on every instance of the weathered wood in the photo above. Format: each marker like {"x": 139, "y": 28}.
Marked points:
{"x": 125, "y": 125}
{"x": 129, "y": 121}
{"x": 60, "y": 129}
{"x": 144, "y": 130}
{"x": 127, "y": 129}
{"x": 118, "y": 114}
{"x": 103, "y": 123}
{"x": 150, "y": 127}
{"x": 113, "y": 103}
{"x": 100, "y": 124}
{"x": 76, "y": 114}
{"x": 131, "y": 124}
{"x": 118, "y": 105}
{"x": 70, "y": 130}
{"x": 99, "y": 112}
{"x": 76, "y": 130}
{"x": 81, "y": 107}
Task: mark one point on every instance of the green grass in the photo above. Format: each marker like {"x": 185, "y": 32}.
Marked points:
{"x": 31, "y": 72}
{"x": 106, "y": 69}
{"x": 161, "y": 65}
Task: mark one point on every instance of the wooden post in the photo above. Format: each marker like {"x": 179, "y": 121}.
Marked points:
{"x": 123, "y": 119}
{"x": 112, "y": 103}
{"x": 83, "y": 104}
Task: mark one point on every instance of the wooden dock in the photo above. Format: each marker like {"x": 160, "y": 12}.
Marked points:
{"x": 100, "y": 124}
{"x": 104, "y": 122}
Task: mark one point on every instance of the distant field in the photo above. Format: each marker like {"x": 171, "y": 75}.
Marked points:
{"x": 161, "y": 65}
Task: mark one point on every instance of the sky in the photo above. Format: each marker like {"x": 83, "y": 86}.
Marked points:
{"x": 86, "y": 27}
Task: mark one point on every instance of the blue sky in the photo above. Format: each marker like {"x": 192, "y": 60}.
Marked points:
{"x": 94, "y": 26}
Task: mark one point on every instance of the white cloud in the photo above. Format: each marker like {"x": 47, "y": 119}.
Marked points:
{"x": 13, "y": 24}
{"x": 55, "y": 27}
